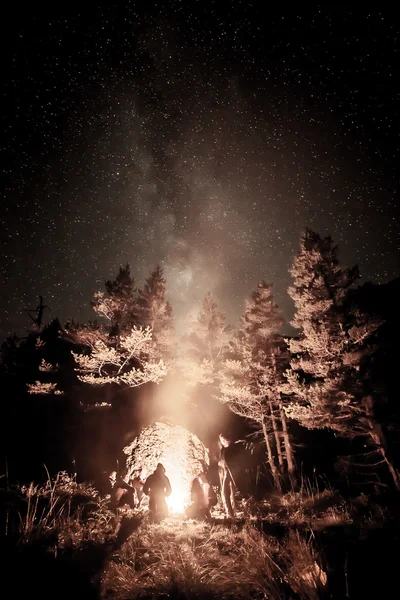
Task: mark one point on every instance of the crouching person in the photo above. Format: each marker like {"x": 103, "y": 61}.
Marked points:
{"x": 122, "y": 493}
{"x": 138, "y": 483}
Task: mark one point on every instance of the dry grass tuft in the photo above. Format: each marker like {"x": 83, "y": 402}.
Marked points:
{"x": 63, "y": 511}
{"x": 308, "y": 507}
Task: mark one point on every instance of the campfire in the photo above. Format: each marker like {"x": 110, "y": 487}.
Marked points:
{"x": 181, "y": 452}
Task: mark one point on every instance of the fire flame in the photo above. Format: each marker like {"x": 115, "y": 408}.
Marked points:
{"x": 179, "y": 500}
{"x": 180, "y": 452}
{"x": 176, "y": 502}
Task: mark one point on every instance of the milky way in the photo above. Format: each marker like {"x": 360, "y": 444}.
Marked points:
{"x": 197, "y": 139}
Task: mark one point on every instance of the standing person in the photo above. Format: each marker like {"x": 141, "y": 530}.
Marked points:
{"x": 227, "y": 484}
{"x": 199, "y": 506}
{"x": 203, "y": 498}
{"x": 210, "y": 497}
{"x": 157, "y": 487}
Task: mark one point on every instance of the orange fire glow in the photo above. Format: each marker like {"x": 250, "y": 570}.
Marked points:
{"x": 182, "y": 454}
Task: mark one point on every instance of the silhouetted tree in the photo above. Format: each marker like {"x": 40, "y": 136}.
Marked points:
{"x": 9, "y": 356}
{"x": 327, "y": 377}
{"x": 38, "y": 424}
{"x": 48, "y": 354}
{"x": 155, "y": 311}
{"x": 38, "y": 319}
{"x": 23, "y": 360}
{"x": 118, "y": 304}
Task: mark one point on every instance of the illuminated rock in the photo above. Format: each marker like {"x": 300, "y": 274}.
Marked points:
{"x": 181, "y": 452}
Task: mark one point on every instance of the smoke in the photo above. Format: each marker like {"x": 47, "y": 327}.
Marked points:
{"x": 180, "y": 179}
{"x": 200, "y": 193}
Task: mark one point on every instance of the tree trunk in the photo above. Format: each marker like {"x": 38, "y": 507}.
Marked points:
{"x": 274, "y": 470}
{"x": 277, "y": 437}
{"x": 379, "y": 438}
{"x": 378, "y": 435}
{"x": 286, "y": 441}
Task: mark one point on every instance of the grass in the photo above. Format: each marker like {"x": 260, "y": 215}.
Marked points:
{"x": 317, "y": 510}
{"x": 61, "y": 509}
{"x": 305, "y": 544}
{"x": 197, "y": 560}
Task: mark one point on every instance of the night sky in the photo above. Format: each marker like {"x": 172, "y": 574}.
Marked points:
{"x": 198, "y": 135}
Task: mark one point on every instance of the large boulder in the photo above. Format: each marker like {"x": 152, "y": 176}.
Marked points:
{"x": 181, "y": 452}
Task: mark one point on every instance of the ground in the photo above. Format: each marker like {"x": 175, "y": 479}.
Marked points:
{"x": 62, "y": 540}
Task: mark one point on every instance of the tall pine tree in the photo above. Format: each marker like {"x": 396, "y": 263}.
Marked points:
{"x": 118, "y": 304}
{"x": 327, "y": 377}
{"x": 251, "y": 383}
{"x": 204, "y": 347}
{"x": 155, "y": 311}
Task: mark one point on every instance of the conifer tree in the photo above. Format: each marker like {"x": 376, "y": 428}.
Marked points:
{"x": 330, "y": 387}
{"x": 204, "y": 348}
{"x": 155, "y": 311}
{"x": 251, "y": 383}
{"x": 262, "y": 318}
{"x": 131, "y": 361}
{"x": 118, "y": 304}
{"x": 123, "y": 349}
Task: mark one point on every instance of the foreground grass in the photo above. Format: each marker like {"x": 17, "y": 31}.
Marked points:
{"x": 66, "y": 543}
{"x": 196, "y": 560}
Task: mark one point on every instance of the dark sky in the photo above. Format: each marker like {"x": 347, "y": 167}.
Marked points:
{"x": 195, "y": 134}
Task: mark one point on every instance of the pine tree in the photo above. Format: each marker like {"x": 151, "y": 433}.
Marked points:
{"x": 262, "y": 318}
{"x": 118, "y": 304}
{"x": 204, "y": 348}
{"x": 131, "y": 361}
{"x": 326, "y": 375}
{"x": 261, "y": 323}
{"x": 123, "y": 350}
{"x": 251, "y": 382}
{"x": 155, "y": 311}
{"x": 55, "y": 365}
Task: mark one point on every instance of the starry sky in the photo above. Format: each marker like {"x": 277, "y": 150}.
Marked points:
{"x": 201, "y": 136}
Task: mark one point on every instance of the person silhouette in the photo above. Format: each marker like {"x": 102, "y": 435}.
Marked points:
{"x": 138, "y": 483}
{"x": 227, "y": 484}
{"x": 157, "y": 486}
{"x": 203, "y": 498}
{"x": 122, "y": 493}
